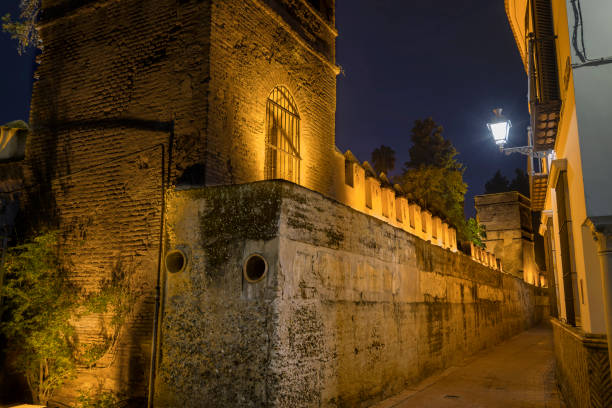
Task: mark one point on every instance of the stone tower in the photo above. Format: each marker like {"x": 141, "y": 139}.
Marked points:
{"x": 509, "y": 232}
{"x": 135, "y": 96}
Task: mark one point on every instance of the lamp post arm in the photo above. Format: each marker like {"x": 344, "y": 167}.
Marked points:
{"x": 526, "y": 150}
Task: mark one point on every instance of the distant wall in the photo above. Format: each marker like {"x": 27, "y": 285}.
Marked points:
{"x": 509, "y": 232}
{"x": 351, "y": 310}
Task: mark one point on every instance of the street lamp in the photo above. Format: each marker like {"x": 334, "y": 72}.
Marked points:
{"x": 500, "y": 129}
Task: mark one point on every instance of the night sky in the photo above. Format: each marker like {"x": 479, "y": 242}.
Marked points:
{"x": 402, "y": 60}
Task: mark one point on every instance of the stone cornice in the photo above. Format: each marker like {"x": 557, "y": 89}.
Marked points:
{"x": 601, "y": 228}
{"x": 515, "y": 32}
{"x": 72, "y": 8}
{"x": 546, "y": 214}
{"x": 556, "y": 168}
{"x": 588, "y": 339}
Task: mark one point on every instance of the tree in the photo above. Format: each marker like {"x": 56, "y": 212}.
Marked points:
{"x": 497, "y": 184}
{"x": 429, "y": 148}
{"x": 383, "y": 159}
{"x": 520, "y": 183}
{"x": 24, "y": 28}
{"x": 434, "y": 176}
{"x": 475, "y": 233}
{"x": 500, "y": 184}
{"x": 39, "y": 300}
{"x": 40, "y": 304}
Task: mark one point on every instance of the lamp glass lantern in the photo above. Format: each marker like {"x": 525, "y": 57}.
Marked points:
{"x": 499, "y": 128}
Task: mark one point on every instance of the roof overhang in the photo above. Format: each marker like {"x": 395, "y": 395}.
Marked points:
{"x": 515, "y": 10}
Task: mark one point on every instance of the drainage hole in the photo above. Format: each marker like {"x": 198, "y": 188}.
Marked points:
{"x": 255, "y": 267}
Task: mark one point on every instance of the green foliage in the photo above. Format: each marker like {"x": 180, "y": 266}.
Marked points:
{"x": 40, "y": 305}
{"x": 24, "y": 28}
{"x": 438, "y": 189}
{"x": 100, "y": 399}
{"x": 520, "y": 183}
{"x": 383, "y": 159}
{"x": 429, "y": 148}
{"x": 497, "y": 184}
{"x": 475, "y": 232}
{"x": 39, "y": 300}
{"x": 433, "y": 175}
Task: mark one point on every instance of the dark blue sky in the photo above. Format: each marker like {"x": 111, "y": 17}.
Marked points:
{"x": 402, "y": 60}
{"x": 16, "y": 74}
{"x": 452, "y": 60}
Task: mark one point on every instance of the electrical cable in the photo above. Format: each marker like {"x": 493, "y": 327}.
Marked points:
{"x": 578, "y": 40}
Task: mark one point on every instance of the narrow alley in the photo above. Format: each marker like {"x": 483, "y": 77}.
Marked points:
{"x": 516, "y": 373}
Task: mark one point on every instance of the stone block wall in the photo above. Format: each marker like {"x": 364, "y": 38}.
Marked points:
{"x": 509, "y": 232}
{"x": 351, "y": 309}
{"x": 582, "y": 367}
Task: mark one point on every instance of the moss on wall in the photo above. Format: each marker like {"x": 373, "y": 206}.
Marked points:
{"x": 235, "y": 215}
{"x": 352, "y": 310}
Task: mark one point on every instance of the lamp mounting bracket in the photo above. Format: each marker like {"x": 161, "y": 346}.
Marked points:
{"x": 526, "y": 150}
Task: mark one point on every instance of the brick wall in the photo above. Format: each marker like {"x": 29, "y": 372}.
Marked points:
{"x": 252, "y": 51}
{"x": 132, "y": 96}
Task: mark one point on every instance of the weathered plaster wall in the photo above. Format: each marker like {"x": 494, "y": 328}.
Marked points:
{"x": 351, "y": 310}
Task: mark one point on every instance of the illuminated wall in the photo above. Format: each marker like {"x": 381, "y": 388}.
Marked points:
{"x": 339, "y": 296}
{"x": 509, "y": 232}
{"x": 570, "y": 147}
{"x": 133, "y": 97}
{"x": 357, "y": 186}
{"x": 578, "y": 197}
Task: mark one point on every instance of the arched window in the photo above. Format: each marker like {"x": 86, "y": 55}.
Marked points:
{"x": 282, "y": 137}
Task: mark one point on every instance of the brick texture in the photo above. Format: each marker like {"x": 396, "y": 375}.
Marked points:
{"x": 133, "y": 96}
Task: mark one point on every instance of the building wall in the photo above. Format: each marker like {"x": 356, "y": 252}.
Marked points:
{"x": 581, "y": 149}
{"x": 132, "y": 97}
{"x": 351, "y": 310}
{"x": 592, "y": 86}
{"x": 253, "y": 50}
{"x": 509, "y": 232}
{"x": 568, "y": 147}
{"x": 571, "y": 145}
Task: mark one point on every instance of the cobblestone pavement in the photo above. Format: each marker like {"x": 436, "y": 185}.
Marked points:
{"x": 516, "y": 373}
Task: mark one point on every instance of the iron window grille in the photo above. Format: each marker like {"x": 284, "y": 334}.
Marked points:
{"x": 282, "y": 137}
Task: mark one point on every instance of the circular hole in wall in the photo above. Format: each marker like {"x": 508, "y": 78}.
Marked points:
{"x": 255, "y": 268}
{"x": 176, "y": 261}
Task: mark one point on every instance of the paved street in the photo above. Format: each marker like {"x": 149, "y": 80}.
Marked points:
{"x": 516, "y": 373}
